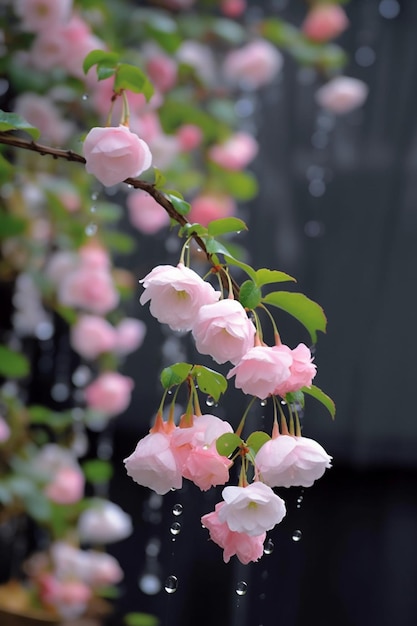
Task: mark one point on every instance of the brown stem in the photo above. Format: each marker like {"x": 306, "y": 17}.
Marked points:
{"x": 68, "y": 155}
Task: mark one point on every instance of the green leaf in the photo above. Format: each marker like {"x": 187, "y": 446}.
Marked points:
{"x": 97, "y": 471}
{"x": 140, "y": 619}
{"x": 118, "y": 242}
{"x": 226, "y": 444}
{"x": 226, "y": 225}
{"x": 240, "y": 185}
{"x": 319, "y": 395}
{"x": 180, "y": 205}
{"x": 160, "y": 179}
{"x": 256, "y": 440}
{"x": 306, "y": 311}
{"x": 265, "y": 277}
{"x": 13, "y": 364}
{"x": 231, "y": 260}
{"x": 10, "y": 225}
{"x": 192, "y": 229}
{"x": 37, "y": 505}
{"x": 295, "y": 397}
{"x": 229, "y": 30}
{"x": 249, "y": 295}
{"x": 215, "y": 247}
{"x": 13, "y": 121}
{"x": 105, "y": 71}
{"x": 97, "y": 57}
{"x": 164, "y": 30}
{"x": 133, "y": 79}
{"x": 42, "y": 415}
{"x": 6, "y": 172}
{"x": 175, "y": 374}
{"x": 209, "y": 381}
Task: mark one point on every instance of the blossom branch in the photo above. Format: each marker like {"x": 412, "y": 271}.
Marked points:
{"x": 157, "y": 195}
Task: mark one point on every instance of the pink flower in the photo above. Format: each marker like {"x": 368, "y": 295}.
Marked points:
{"x": 204, "y": 431}
{"x": 205, "y": 467}
{"x": 68, "y": 597}
{"x": 115, "y": 153}
{"x": 41, "y": 15}
{"x": 342, "y": 94}
{"x": 256, "y": 64}
{"x": 260, "y": 370}
{"x": 153, "y": 464}
{"x": 162, "y": 70}
{"x": 189, "y": 136}
{"x": 223, "y": 330}
{"x": 130, "y": 334}
{"x": 165, "y": 150}
{"x": 66, "y": 486}
{"x": 91, "y": 336}
{"x": 324, "y": 22}
{"x": 246, "y": 547}
{"x": 94, "y": 256}
{"x": 41, "y": 112}
{"x": 4, "y": 430}
{"x": 209, "y": 206}
{"x": 101, "y": 569}
{"x": 104, "y": 522}
{"x": 145, "y": 213}
{"x": 200, "y": 57}
{"x": 233, "y": 8}
{"x": 287, "y": 461}
{"x": 236, "y": 152}
{"x": 302, "y": 370}
{"x": 176, "y": 294}
{"x": 78, "y": 41}
{"x": 89, "y": 289}
{"x": 109, "y": 393}
{"x": 252, "y": 510}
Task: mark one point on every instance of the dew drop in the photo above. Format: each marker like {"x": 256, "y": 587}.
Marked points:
{"x": 210, "y": 401}
{"x": 175, "y": 528}
{"x": 263, "y": 402}
{"x": 296, "y": 536}
{"x": 149, "y": 584}
{"x": 299, "y": 499}
{"x": 269, "y": 547}
{"x": 177, "y": 509}
{"x": 171, "y": 584}
{"x": 94, "y": 196}
{"x": 241, "y": 588}
{"x": 90, "y": 229}
{"x": 93, "y": 209}
{"x": 84, "y": 97}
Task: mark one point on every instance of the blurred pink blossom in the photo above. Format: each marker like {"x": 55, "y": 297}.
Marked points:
{"x": 236, "y": 152}
{"x": 233, "y": 8}
{"x": 254, "y": 65}
{"x": 189, "y": 137}
{"x": 342, "y": 94}
{"x": 223, "y": 330}
{"x": 41, "y": 15}
{"x": 211, "y": 206}
{"x": 90, "y": 289}
{"x": 247, "y": 548}
{"x": 109, "y": 393}
{"x": 41, "y": 112}
{"x": 69, "y": 597}
{"x": 324, "y": 22}
{"x": 145, "y": 213}
{"x": 130, "y": 334}
{"x": 104, "y": 522}
{"x": 92, "y": 335}
{"x": 162, "y": 70}
{"x": 66, "y": 486}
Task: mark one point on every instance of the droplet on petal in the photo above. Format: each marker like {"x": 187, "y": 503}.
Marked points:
{"x": 171, "y": 584}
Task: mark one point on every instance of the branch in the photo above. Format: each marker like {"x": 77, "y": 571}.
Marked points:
{"x": 68, "y": 155}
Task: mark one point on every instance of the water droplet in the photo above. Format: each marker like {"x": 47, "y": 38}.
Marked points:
{"x": 93, "y": 209}
{"x": 269, "y": 547}
{"x": 177, "y": 509}
{"x": 365, "y": 56}
{"x": 299, "y": 499}
{"x": 149, "y": 584}
{"x": 60, "y": 392}
{"x": 210, "y": 401}
{"x": 153, "y": 547}
{"x": 44, "y": 330}
{"x": 130, "y": 186}
{"x": 94, "y": 196}
{"x": 296, "y": 536}
{"x": 175, "y": 528}
{"x": 155, "y": 501}
{"x": 389, "y": 9}
{"x": 91, "y": 229}
{"x": 81, "y": 376}
{"x": 170, "y": 392}
{"x": 84, "y": 97}
{"x": 171, "y": 584}
{"x": 264, "y": 402}
{"x": 241, "y": 588}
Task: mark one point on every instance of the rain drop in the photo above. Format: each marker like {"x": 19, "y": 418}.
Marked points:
{"x": 84, "y": 97}
{"x": 299, "y": 499}
{"x": 263, "y": 402}
{"x": 149, "y": 584}
{"x": 171, "y": 584}
{"x": 81, "y": 376}
{"x": 175, "y": 528}
{"x": 269, "y": 547}
{"x": 90, "y": 229}
{"x": 177, "y": 509}
{"x": 241, "y": 588}
{"x": 296, "y": 536}
{"x": 210, "y": 401}
{"x": 94, "y": 196}
{"x": 93, "y": 209}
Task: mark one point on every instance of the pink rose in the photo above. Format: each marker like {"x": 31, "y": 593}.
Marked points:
{"x": 246, "y": 547}
{"x": 4, "y": 430}
{"x": 115, "y": 153}
{"x": 288, "y": 461}
{"x": 342, "y": 94}
{"x": 90, "y": 289}
{"x": 130, "y": 334}
{"x": 205, "y": 467}
{"x": 145, "y": 213}
{"x": 302, "y": 370}
{"x": 91, "y": 336}
{"x": 256, "y": 64}
{"x": 252, "y": 510}
{"x": 162, "y": 70}
{"x": 66, "y": 486}
{"x": 189, "y": 137}
{"x": 261, "y": 369}
{"x": 324, "y": 22}
{"x": 109, "y": 393}
{"x": 223, "y": 330}
{"x": 41, "y": 15}
{"x": 208, "y": 207}
{"x": 176, "y": 294}
{"x": 236, "y": 152}
{"x": 153, "y": 464}
{"x": 47, "y": 51}
{"x": 203, "y": 432}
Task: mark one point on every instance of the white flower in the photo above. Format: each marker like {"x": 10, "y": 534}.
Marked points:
{"x": 104, "y": 522}
{"x": 252, "y": 510}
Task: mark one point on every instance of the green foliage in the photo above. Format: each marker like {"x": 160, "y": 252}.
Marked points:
{"x": 175, "y": 374}
{"x": 179, "y": 204}
{"x": 227, "y": 443}
{"x": 97, "y": 471}
{"x": 265, "y": 277}
{"x": 256, "y": 440}
{"x": 209, "y": 381}
{"x": 140, "y": 619}
{"x": 249, "y": 295}
{"x": 226, "y": 225}
{"x": 318, "y": 394}
{"x": 11, "y": 225}
{"x": 13, "y": 364}
{"x": 306, "y": 311}
{"x": 13, "y": 121}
